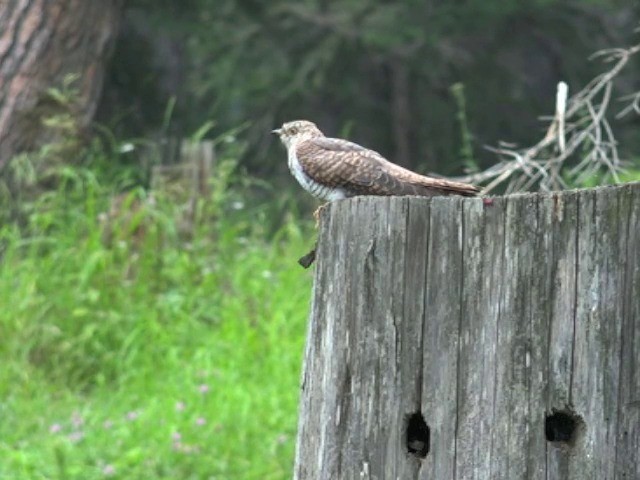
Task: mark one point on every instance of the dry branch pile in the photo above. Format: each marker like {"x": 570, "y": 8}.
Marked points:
{"x": 579, "y": 131}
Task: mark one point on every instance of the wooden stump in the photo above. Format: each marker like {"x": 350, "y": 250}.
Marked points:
{"x": 466, "y": 339}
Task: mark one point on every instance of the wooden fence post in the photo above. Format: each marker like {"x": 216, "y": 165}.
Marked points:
{"x": 479, "y": 339}
{"x": 184, "y": 174}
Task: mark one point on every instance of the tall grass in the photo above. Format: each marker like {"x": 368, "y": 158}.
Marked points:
{"x": 151, "y": 355}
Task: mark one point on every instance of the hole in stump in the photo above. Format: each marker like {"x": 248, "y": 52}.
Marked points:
{"x": 418, "y": 435}
{"x": 562, "y": 426}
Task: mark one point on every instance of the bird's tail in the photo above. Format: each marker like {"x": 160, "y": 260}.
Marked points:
{"x": 449, "y": 187}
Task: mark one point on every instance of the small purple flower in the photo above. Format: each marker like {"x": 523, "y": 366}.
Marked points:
{"x": 201, "y": 421}
{"x": 176, "y": 437}
{"x": 132, "y": 415}
{"x": 180, "y": 406}
{"x": 203, "y": 388}
{"x": 55, "y": 428}
{"x": 108, "y": 470}
{"x": 107, "y": 424}
{"x": 76, "y": 419}
{"x": 185, "y": 448}
{"x": 76, "y": 436}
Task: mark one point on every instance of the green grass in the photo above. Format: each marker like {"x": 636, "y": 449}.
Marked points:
{"x": 160, "y": 359}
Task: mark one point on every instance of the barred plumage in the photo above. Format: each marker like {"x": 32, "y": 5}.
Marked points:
{"x": 331, "y": 168}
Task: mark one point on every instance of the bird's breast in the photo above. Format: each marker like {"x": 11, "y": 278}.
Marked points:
{"x": 323, "y": 192}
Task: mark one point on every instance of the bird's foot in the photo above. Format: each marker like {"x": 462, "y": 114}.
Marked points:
{"x": 318, "y": 212}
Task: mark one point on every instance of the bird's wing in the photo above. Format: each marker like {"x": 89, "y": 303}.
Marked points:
{"x": 343, "y": 164}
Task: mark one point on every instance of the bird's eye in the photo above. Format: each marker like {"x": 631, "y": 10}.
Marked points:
{"x": 293, "y": 131}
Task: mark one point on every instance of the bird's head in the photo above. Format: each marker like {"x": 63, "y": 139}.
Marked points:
{"x": 292, "y": 133}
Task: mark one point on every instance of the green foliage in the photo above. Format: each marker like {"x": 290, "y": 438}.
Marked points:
{"x": 60, "y": 120}
{"x": 600, "y": 178}
{"x": 143, "y": 354}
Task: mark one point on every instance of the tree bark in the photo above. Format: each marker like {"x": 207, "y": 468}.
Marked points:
{"x": 41, "y": 42}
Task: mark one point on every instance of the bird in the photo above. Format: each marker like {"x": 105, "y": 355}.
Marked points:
{"x": 334, "y": 169}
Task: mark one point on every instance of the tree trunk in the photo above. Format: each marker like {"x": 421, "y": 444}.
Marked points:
{"x": 41, "y": 43}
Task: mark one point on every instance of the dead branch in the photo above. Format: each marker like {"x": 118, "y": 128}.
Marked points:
{"x": 579, "y": 126}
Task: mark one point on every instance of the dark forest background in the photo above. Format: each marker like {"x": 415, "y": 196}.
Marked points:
{"x": 396, "y": 76}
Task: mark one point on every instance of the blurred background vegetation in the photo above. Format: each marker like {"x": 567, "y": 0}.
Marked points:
{"x": 383, "y": 73}
{"x": 148, "y": 337}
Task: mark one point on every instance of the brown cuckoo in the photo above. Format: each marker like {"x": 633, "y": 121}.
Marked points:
{"x": 333, "y": 169}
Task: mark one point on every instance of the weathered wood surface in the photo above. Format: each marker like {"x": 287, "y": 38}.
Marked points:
{"x": 485, "y": 317}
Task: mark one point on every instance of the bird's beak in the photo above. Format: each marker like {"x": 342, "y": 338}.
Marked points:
{"x": 277, "y": 131}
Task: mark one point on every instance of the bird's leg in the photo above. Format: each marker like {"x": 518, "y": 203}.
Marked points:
{"x": 318, "y": 212}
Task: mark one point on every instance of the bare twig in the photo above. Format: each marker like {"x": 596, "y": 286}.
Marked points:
{"x": 632, "y": 106}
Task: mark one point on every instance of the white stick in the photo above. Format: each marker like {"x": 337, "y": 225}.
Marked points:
{"x": 561, "y": 109}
